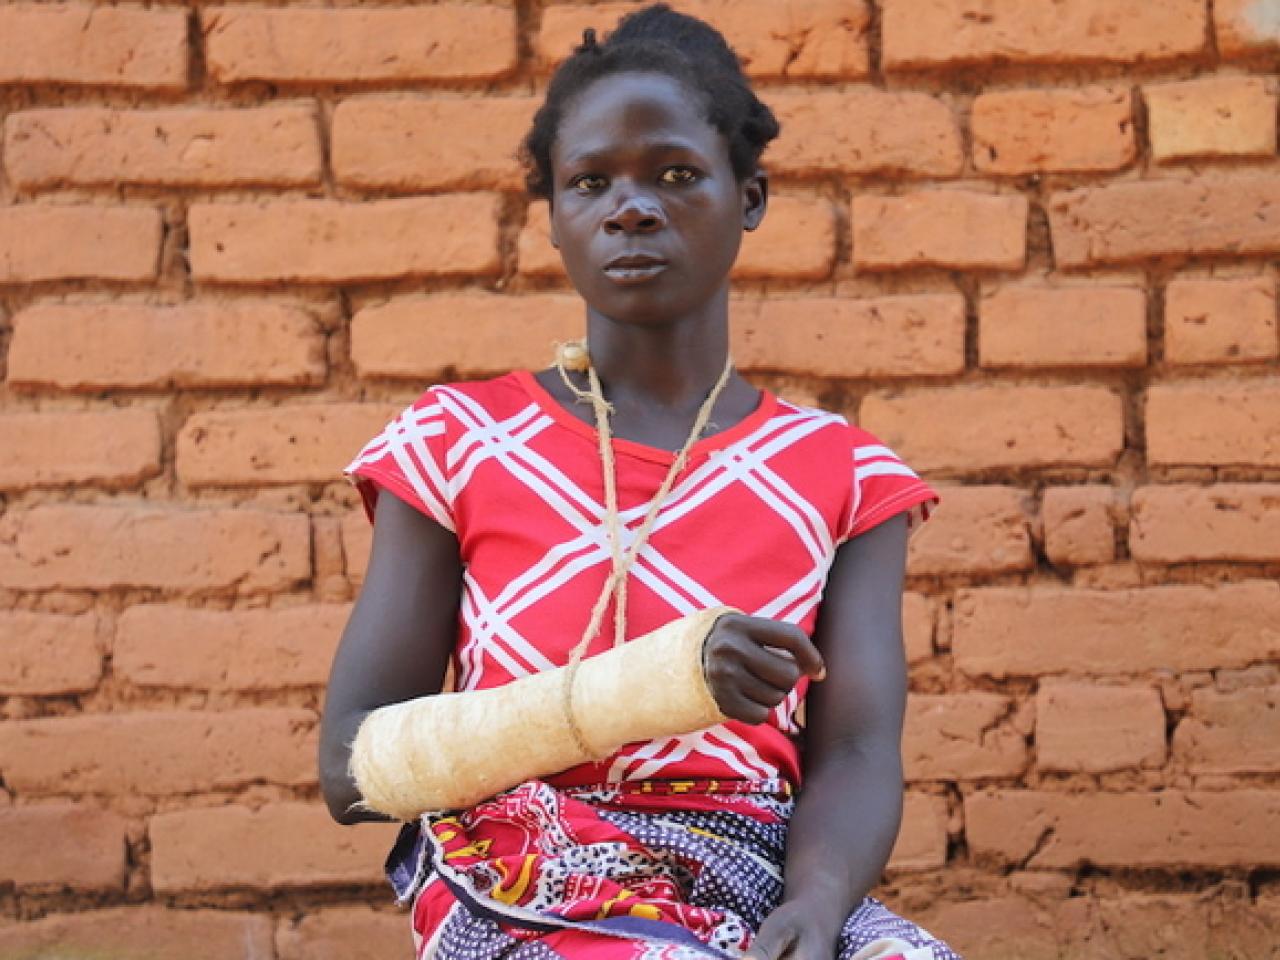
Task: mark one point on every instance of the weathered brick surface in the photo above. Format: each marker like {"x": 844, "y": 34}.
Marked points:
{"x": 48, "y": 653}
{"x": 1079, "y": 525}
{"x": 1002, "y": 632}
{"x": 355, "y": 45}
{"x": 961, "y": 736}
{"x": 339, "y": 933}
{"x": 919, "y": 619}
{"x": 99, "y": 548}
{"x": 933, "y": 33}
{"x": 1092, "y": 728}
{"x": 955, "y": 229}
{"x": 1131, "y": 221}
{"x": 1032, "y": 131}
{"x": 1166, "y": 829}
{"x": 105, "y": 345}
{"x": 864, "y": 131}
{"x": 1228, "y": 521}
{"x": 796, "y": 241}
{"x": 158, "y": 645}
{"x": 140, "y": 933}
{"x": 306, "y": 443}
{"x": 328, "y": 241}
{"x": 93, "y": 44}
{"x": 464, "y": 334}
{"x": 922, "y": 839}
{"x": 279, "y": 846}
{"x": 93, "y": 146}
{"x": 1215, "y": 424}
{"x": 1245, "y": 27}
{"x": 78, "y": 241}
{"x": 1031, "y": 326}
{"x": 803, "y": 39}
{"x": 51, "y": 846}
{"x": 970, "y": 429}
{"x": 1211, "y": 117}
{"x": 976, "y": 531}
{"x": 157, "y": 752}
{"x": 1220, "y": 321}
{"x": 918, "y": 335}
{"x": 430, "y": 144}
{"x": 54, "y": 449}
{"x": 357, "y": 538}
{"x": 1235, "y": 732}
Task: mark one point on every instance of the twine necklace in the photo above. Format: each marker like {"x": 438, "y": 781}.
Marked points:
{"x": 574, "y": 356}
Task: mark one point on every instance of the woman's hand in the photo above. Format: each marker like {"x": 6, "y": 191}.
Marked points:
{"x": 752, "y": 663}
{"x": 797, "y": 930}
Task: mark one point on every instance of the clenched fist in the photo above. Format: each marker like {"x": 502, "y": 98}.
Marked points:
{"x": 752, "y": 663}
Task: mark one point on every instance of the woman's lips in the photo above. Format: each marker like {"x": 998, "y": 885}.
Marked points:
{"x": 634, "y": 269}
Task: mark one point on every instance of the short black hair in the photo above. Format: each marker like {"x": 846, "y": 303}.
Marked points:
{"x": 656, "y": 39}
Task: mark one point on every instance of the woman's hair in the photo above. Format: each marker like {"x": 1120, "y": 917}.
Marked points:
{"x": 656, "y": 39}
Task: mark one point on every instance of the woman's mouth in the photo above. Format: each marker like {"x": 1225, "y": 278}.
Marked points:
{"x": 634, "y": 268}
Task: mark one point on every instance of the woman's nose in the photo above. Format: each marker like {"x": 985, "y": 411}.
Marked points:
{"x": 636, "y": 214}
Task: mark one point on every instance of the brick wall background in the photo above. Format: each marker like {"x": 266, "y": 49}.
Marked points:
{"x": 1031, "y": 243}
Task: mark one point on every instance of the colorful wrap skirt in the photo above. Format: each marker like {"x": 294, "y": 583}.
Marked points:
{"x": 659, "y": 870}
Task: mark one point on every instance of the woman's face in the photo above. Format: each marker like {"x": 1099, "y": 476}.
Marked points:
{"x": 645, "y": 208}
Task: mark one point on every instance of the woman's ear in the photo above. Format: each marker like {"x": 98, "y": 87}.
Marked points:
{"x": 755, "y": 198}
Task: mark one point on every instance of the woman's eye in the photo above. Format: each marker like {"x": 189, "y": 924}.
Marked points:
{"x": 679, "y": 175}
{"x": 587, "y": 183}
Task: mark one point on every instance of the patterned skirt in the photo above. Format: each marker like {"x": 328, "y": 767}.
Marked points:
{"x": 659, "y": 870}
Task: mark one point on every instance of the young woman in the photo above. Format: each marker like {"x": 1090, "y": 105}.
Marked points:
{"x": 492, "y": 539}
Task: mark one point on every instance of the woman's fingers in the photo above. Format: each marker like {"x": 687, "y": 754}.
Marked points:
{"x": 781, "y": 636}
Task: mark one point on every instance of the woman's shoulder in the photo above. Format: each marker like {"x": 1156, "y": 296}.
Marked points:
{"x": 491, "y": 396}
{"x": 829, "y": 425}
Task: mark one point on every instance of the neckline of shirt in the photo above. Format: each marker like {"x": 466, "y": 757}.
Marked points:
{"x": 717, "y": 441}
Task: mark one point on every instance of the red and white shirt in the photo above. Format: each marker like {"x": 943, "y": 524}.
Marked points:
{"x": 753, "y": 522}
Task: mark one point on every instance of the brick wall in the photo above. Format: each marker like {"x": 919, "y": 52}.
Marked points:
{"x": 1030, "y": 243}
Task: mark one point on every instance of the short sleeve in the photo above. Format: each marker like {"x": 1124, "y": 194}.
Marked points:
{"x": 408, "y": 458}
{"x": 883, "y": 487}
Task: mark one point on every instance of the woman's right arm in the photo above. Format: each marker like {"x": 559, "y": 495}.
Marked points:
{"x": 396, "y": 645}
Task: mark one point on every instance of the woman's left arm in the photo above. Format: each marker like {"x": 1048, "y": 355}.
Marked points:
{"x": 846, "y": 818}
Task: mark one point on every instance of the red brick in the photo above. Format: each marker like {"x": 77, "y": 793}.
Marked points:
{"x": 1026, "y": 326}
{"x": 1167, "y": 829}
{"x": 796, "y": 241}
{"x": 1237, "y": 732}
{"x": 446, "y": 41}
{"x": 919, "y": 617}
{"x": 1131, "y": 221}
{"x": 61, "y": 845}
{"x": 283, "y": 845}
{"x": 864, "y": 131}
{"x": 140, "y": 933}
{"x": 999, "y": 927}
{"x": 92, "y": 44}
{"x": 340, "y": 933}
{"x": 94, "y": 146}
{"x": 157, "y": 645}
{"x": 808, "y": 39}
{"x": 115, "y": 448}
{"x": 449, "y": 335}
{"x": 1079, "y": 525}
{"x": 430, "y": 144}
{"x": 944, "y": 33}
{"x": 1002, "y": 632}
{"x": 1246, "y": 27}
{"x": 357, "y": 538}
{"x": 900, "y": 336}
{"x": 953, "y": 229}
{"x": 922, "y": 839}
{"x": 961, "y": 736}
{"x": 971, "y": 429}
{"x": 1090, "y": 728}
{"x": 1211, "y": 117}
{"x": 48, "y": 653}
{"x": 329, "y": 241}
{"x": 1220, "y": 321}
{"x": 158, "y": 752}
{"x": 1214, "y": 424}
{"x": 99, "y": 548}
{"x": 975, "y": 531}
{"x": 294, "y": 443}
{"x": 1037, "y": 131}
{"x": 78, "y": 242}
{"x": 103, "y": 345}
{"x": 1228, "y": 521}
